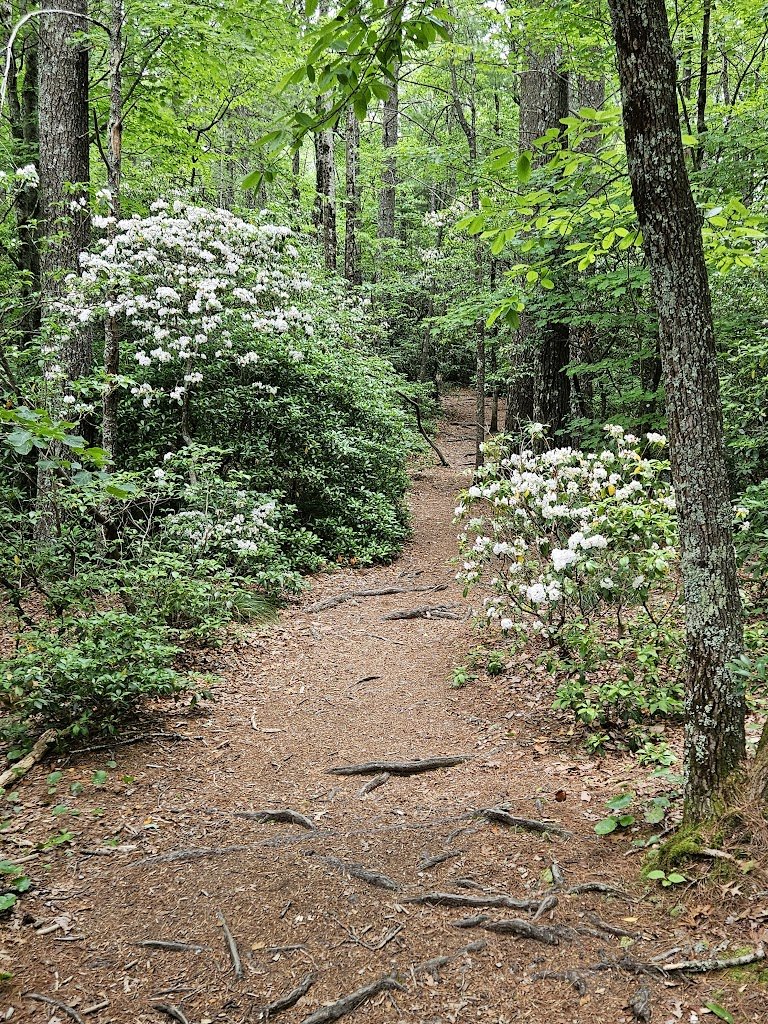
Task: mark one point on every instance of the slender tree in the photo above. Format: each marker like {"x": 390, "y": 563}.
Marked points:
{"x": 667, "y": 213}
{"x": 352, "y": 269}
{"x": 64, "y": 163}
{"x": 390, "y": 130}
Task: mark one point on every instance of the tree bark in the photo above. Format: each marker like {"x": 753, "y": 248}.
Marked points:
{"x": 701, "y": 97}
{"x": 114, "y": 172}
{"x": 64, "y": 165}
{"x": 543, "y": 102}
{"x": 352, "y": 270}
{"x": 390, "y": 128}
{"x": 667, "y": 213}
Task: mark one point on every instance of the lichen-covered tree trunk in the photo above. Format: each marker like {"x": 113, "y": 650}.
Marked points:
{"x": 64, "y": 163}
{"x": 352, "y": 270}
{"x": 667, "y": 213}
{"x": 543, "y": 102}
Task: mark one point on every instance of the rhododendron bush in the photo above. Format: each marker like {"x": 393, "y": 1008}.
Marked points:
{"x": 578, "y": 548}
{"x": 230, "y": 340}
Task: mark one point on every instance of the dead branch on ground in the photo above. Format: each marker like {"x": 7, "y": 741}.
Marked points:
{"x": 427, "y": 764}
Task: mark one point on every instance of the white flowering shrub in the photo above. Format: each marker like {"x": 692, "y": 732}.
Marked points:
{"x": 578, "y": 548}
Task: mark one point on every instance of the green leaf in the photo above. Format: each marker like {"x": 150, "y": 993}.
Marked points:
{"x": 7, "y": 901}
{"x": 676, "y": 878}
{"x": 310, "y": 6}
{"x": 524, "y": 168}
{"x": 618, "y": 803}
{"x": 606, "y": 826}
{"x": 253, "y": 180}
{"x": 720, "y": 1011}
{"x": 656, "y": 875}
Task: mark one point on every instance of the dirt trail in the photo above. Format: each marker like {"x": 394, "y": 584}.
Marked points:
{"x": 322, "y": 689}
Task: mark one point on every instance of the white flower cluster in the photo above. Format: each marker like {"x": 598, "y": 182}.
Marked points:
{"x": 245, "y": 529}
{"x": 179, "y": 280}
{"x": 565, "y": 532}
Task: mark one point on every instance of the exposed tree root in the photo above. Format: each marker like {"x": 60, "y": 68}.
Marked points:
{"x": 440, "y": 858}
{"x": 640, "y": 1005}
{"x": 171, "y": 1011}
{"x": 693, "y": 966}
{"x": 289, "y": 999}
{"x": 374, "y": 783}
{"x": 453, "y": 899}
{"x": 426, "y": 611}
{"x": 578, "y": 981}
{"x": 69, "y": 1010}
{"x": 428, "y": 764}
{"x": 359, "y": 871}
{"x": 437, "y": 962}
{"x": 197, "y": 853}
{"x": 514, "y": 926}
{"x": 502, "y": 817}
{"x": 352, "y": 595}
{"x": 351, "y": 1002}
{"x": 283, "y": 816}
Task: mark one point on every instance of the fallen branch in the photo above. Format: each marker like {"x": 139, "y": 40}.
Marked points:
{"x": 428, "y": 764}
{"x": 95, "y": 1007}
{"x": 139, "y": 738}
{"x": 231, "y": 945}
{"x": 433, "y": 966}
{"x": 289, "y": 999}
{"x": 693, "y": 966}
{"x": 351, "y": 1002}
{"x": 170, "y": 1011}
{"x": 602, "y": 887}
{"x": 69, "y": 1010}
{"x": 359, "y": 871}
{"x": 502, "y": 817}
{"x": 284, "y": 816}
{"x": 174, "y": 947}
{"x": 351, "y": 595}
{"x": 454, "y": 899}
{"x": 20, "y": 768}
{"x": 425, "y": 611}
{"x": 422, "y": 431}
{"x": 572, "y": 977}
{"x": 374, "y": 783}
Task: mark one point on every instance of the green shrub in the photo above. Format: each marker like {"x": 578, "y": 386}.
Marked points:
{"x": 90, "y": 675}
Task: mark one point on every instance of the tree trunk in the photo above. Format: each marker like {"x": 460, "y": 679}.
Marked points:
{"x": 22, "y": 104}
{"x": 469, "y": 127}
{"x": 352, "y": 270}
{"x": 390, "y": 118}
{"x": 64, "y": 165}
{"x": 667, "y": 213}
{"x": 701, "y": 97}
{"x": 114, "y": 172}
{"x": 543, "y": 102}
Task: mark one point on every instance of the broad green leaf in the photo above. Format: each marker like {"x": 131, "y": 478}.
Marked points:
{"x": 524, "y": 168}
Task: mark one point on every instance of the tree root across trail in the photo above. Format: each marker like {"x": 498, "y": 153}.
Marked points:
{"x": 349, "y": 838}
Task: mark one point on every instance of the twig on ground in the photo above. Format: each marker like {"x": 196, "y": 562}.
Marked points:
{"x": 171, "y": 1011}
{"x": 139, "y": 738}
{"x": 374, "y": 783}
{"x": 69, "y": 1010}
{"x": 640, "y": 1005}
{"x": 282, "y": 816}
{"x": 95, "y": 1007}
{"x": 502, "y": 817}
{"x": 170, "y": 945}
{"x": 433, "y": 966}
{"x": 549, "y": 902}
{"x": 425, "y": 611}
{"x": 197, "y": 853}
{"x": 359, "y": 871}
{"x": 572, "y": 977}
{"x": 427, "y": 764}
{"x": 432, "y": 862}
{"x": 352, "y": 595}
{"x": 348, "y": 1003}
{"x": 289, "y": 999}
{"x": 610, "y": 929}
{"x": 18, "y": 770}
{"x": 231, "y": 945}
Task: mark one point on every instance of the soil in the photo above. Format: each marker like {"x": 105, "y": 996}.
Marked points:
{"x": 157, "y": 847}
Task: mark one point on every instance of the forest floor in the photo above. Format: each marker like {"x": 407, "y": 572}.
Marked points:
{"x": 161, "y": 846}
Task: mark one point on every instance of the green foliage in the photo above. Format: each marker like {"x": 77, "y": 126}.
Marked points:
{"x": 90, "y": 675}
